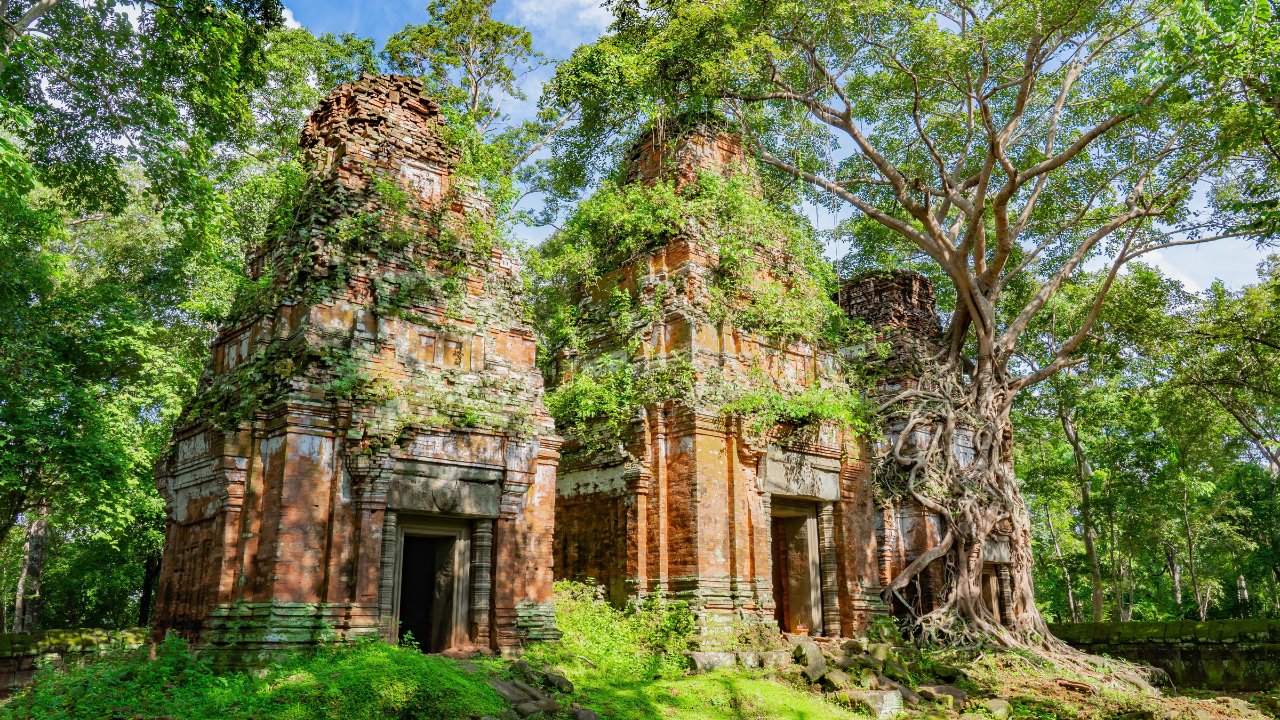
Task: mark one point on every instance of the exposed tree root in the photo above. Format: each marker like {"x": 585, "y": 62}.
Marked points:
{"x": 933, "y": 425}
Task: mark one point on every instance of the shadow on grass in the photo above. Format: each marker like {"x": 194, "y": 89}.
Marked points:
{"x": 715, "y": 696}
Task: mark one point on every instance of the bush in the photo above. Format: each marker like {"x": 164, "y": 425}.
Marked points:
{"x": 643, "y": 641}
{"x": 367, "y": 680}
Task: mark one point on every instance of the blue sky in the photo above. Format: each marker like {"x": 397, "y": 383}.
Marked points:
{"x": 558, "y": 26}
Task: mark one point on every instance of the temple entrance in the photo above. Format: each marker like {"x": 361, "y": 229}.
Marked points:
{"x": 797, "y": 585}
{"x": 426, "y": 591}
{"x": 432, "y": 581}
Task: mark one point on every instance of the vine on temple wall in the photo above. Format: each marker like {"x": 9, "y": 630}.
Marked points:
{"x": 768, "y": 278}
{"x": 318, "y": 236}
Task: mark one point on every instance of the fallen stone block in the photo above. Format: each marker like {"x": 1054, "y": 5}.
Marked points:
{"x": 896, "y": 670}
{"x": 813, "y": 673}
{"x": 532, "y": 691}
{"x": 509, "y": 692}
{"x": 536, "y": 708}
{"x": 946, "y": 694}
{"x": 749, "y": 660}
{"x": 880, "y": 704}
{"x": 853, "y": 647}
{"x": 808, "y": 653}
{"x": 705, "y": 661}
{"x": 557, "y": 682}
{"x": 909, "y": 696}
{"x": 949, "y": 673}
{"x": 775, "y": 659}
{"x": 880, "y": 651}
{"x": 836, "y": 680}
{"x": 998, "y": 708}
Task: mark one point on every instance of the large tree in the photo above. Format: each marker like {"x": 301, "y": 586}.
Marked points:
{"x": 1012, "y": 145}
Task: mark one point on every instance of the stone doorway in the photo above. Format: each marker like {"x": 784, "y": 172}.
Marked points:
{"x": 797, "y": 583}
{"x": 432, "y": 582}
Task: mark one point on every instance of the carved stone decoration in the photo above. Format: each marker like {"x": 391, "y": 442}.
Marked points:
{"x": 797, "y": 474}
{"x": 830, "y": 589}
{"x": 482, "y": 580}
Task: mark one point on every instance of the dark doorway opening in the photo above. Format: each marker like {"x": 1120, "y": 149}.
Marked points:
{"x": 426, "y": 591}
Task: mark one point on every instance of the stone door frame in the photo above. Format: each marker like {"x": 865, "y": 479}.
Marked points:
{"x": 460, "y": 530}
{"x": 807, "y": 509}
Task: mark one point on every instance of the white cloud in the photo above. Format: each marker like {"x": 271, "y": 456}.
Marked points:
{"x": 1160, "y": 262}
{"x": 133, "y": 12}
{"x": 290, "y": 21}
{"x": 562, "y": 24}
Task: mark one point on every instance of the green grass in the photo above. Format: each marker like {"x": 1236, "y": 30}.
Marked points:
{"x": 366, "y": 681}
{"x": 718, "y": 695}
{"x": 629, "y": 665}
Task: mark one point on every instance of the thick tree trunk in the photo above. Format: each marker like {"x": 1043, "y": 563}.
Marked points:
{"x": 26, "y": 607}
{"x": 975, "y": 500}
{"x": 1175, "y": 572}
{"x": 1202, "y": 600}
{"x": 1084, "y": 473}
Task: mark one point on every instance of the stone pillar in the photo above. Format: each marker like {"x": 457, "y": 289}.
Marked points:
{"x": 1006, "y": 589}
{"x": 889, "y": 520}
{"x": 387, "y": 578}
{"x": 371, "y": 476}
{"x": 767, "y": 601}
{"x": 481, "y": 580}
{"x": 827, "y": 558}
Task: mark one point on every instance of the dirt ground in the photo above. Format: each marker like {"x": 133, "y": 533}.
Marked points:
{"x": 1045, "y": 693}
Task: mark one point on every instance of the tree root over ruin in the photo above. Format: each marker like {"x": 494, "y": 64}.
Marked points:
{"x": 948, "y": 447}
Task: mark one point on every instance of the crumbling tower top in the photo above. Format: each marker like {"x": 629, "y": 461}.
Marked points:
{"x": 380, "y": 123}
{"x": 681, "y": 149}
{"x": 893, "y": 300}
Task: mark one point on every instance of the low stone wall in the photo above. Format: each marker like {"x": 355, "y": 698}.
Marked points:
{"x": 19, "y": 653}
{"x": 1218, "y": 655}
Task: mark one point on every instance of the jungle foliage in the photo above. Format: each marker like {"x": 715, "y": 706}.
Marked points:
{"x": 1006, "y": 152}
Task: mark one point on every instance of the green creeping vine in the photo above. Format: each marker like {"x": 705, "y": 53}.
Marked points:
{"x": 769, "y": 277}
{"x": 621, "y": 222}
{"x": 320, "y": 234}
{"x": 597, "y": 404}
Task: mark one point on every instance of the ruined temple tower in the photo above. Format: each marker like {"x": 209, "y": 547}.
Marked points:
{"x": 900, "y": 307}
{"x": 368, "y": 452}
{"x": 778, "y": 526}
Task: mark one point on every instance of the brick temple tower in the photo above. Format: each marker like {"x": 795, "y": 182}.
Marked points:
{"x": 901, "y": 308}
{"x": 779, "y": 529}
{"x": 368, "y": 452}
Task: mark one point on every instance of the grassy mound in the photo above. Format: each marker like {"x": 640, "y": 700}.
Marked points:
{"x": 355, "y": 682}
{"x": 629, "y": 665}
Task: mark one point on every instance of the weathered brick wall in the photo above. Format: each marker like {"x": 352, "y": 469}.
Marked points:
{"x": 1234, "y": 655}
{"x": 20, "y": 653}
{"x": 383, "y": 369}
{"x": 893, "y": 300}
{"x": 684, "y": 505}
{"x": 595, "y": 535}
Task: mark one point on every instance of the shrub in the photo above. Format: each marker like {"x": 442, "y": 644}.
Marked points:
{"x": 645, "y": 640}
